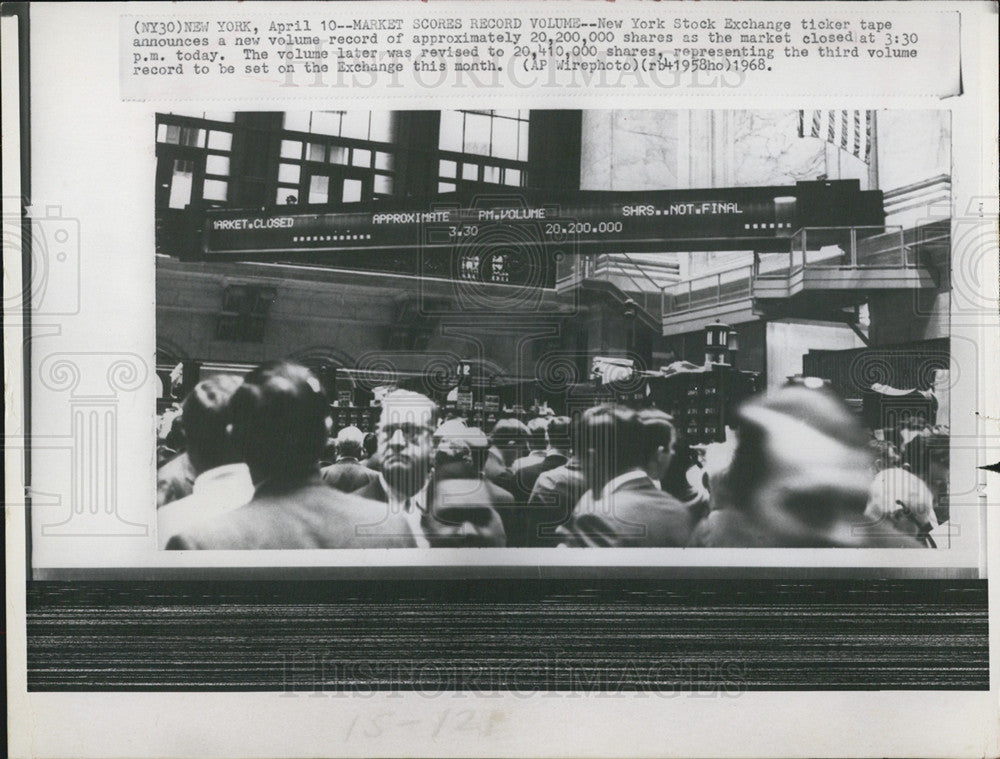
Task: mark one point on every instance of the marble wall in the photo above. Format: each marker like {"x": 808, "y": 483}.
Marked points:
{"x": 665, "y": 150}
{"x": 631, "y": 150}
{"x": 670, "y": 149}
{"x": 912, "y": 146}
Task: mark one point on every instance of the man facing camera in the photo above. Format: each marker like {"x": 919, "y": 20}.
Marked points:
{"x": 461, "y": 502}
{"x": 406, "y": 449}
{"x": 279, "y": 429}
{"x": 623, "y": 507}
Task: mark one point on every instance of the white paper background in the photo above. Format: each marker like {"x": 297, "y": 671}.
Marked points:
{"x": 93, "y": 157}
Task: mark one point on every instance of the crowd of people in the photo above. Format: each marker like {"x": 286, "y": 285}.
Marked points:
{"x": 252, "y": 463}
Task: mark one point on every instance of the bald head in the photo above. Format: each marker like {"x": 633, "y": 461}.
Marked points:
{"x": 350, "y": 442}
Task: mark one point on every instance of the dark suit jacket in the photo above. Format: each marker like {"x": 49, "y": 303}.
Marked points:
{"x": 636, "y": 514}
{"x": 496, "y": 471}
{"x": 551, "y": 503}
{"x": 525, "y": 475}
{"x": 347, "y": 475}
{"x": 457, "y": 492}
{"x": 307, "y": 515}
{"x": 521, "y": 519}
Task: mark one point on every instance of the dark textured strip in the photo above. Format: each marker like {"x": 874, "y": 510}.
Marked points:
{"x": 666, "y": 636}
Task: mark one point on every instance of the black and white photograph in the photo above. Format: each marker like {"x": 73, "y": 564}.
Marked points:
{"x": 544, "y": 328}
{"x": 543, "y": 378}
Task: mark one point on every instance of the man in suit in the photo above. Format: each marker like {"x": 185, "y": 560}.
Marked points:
{"x": 348, "y": 474}
{"x": 462, "y": 504}
{"x": 800, "y": 477}
{"x": 508, "y": 442}
{"x": 554, "y": 453}
{"x": 526, "y": 519}
{"x": 623, "y": 507}
{"x": 279, "y": 418}
{"x": 223, "y": 481}
{"x": 406, "y": 449}
{"x": 536, "y": 445}
{"x": 552, "y": 501}
{"x": 658, "y": 440}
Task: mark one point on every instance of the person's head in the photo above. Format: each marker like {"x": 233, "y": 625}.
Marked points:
{"x": 405, "y": 427}
{"x": 557, "y": 434}
{"x": 657, "y": 439}
{"x": 175, "y": 439}
{"x": 350, "y": 441}
{"x": 802, "y": 466}
{"x": 608, "y": 443}
{"x": 885, "y": 454}
{"x": 536, "y": 433}
{"x": 459, "y": 515}
{"x": 279, "y": 418}
{"x": 453, "y": 460}
{"x": 370, "y": 444}
{"x": 510, "y": 437}
{"x": 206, "y": 419}
{"x": 472, "y": 437}
{"x": 927, "y": 456}
{"x": 903, "y": 500}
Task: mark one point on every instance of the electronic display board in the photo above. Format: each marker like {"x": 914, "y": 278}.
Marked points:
{"x": 515, "y": 237}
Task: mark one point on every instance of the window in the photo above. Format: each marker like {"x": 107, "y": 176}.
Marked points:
{"x": 215, "y": 190}
{"x": 174, "y": 134}
{"x": 500, "y": 134}
{"x": 362, "y": 157}
{"x": 180, "y": 184}
{"x": 319, "y": 189}
{"x": 194, "y": 158}
{"x": 220, "y": 140}
{"x": 377, "y": 126}
{"x": 486, "y": 147}
{"x": 335, "y": 157}
{"x": 288, "y": 173}
{"x": 352, "y": 190}
{"x": 316, "y": 152}
{"x": 339, "y": 154}
{"x": 217, "y": 164}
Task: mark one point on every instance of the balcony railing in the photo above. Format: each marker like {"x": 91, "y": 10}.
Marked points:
{"x": 875, "y": 247}
{"x": 709, "y": 290}
{"x": 629, "y": 277}
{"x": 826, "y": 248}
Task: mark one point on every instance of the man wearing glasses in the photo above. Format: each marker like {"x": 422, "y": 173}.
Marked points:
{"x": 278, "y": 419}
{"x": 406, "y": 447}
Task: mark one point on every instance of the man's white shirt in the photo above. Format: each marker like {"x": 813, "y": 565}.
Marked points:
{"x": 412, "y": 509}
{"x": 214, "y": 492}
